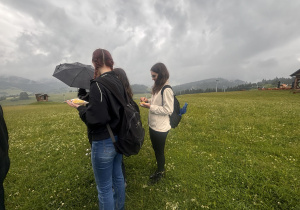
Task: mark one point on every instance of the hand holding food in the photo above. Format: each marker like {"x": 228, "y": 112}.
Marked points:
{"x": 76, "y": 102}
{"x": 79, "y": 101}
{"x": 144, "y": 99}
{"x": 144, "y": 104}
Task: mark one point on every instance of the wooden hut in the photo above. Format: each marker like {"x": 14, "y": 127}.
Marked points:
{"x": 41, "y": 97}
{"x": 296, "y": 83}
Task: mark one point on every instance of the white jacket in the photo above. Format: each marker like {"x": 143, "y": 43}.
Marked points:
{"x": 159, "y": 112}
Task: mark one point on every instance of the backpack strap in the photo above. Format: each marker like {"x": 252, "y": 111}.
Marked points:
{"x": 110, "y": 133}
{"x": 162, "y": 92}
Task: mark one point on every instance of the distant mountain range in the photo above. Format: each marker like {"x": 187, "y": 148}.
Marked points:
{"x": 15, "y": 85}
{"x": 209, "y": 84}
{"x": 10, "y": 85}
{"x": 140, "y": 89}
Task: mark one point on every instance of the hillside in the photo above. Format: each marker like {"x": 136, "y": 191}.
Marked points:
{"x": 208, "y": 84}
{"x": 136, "y": 89}
{"x": 10, "y": 85}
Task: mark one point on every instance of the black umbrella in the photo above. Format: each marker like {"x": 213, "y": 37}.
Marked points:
{"x": 75, "y": 74}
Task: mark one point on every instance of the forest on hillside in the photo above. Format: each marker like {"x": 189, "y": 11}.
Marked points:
{"x": 271, "y": 83}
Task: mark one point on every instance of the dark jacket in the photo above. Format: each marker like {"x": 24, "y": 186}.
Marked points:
{"x": 103, "y": 108}
{"x": 3, "y": 136}
{"x": 82, "y": 94}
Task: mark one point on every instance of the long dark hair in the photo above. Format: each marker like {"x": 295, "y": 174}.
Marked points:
{"x": 100, "y": 58}
{"x": 162, "y": 77}
{"x": 121, "y": 74}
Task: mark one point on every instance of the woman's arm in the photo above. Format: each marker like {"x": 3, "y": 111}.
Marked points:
{"x": 167, "y": 106}
{"x": 145, "y": 102}
{"x": 97, "y": 111}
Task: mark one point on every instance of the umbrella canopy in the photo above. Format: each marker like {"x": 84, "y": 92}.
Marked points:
{"x": 75, "y": 74}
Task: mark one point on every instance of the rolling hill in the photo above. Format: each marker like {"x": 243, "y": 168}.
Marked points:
{"x": 11, "y": 85}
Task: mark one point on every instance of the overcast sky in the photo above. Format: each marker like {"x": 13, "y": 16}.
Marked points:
{"x": 196, "y": 39}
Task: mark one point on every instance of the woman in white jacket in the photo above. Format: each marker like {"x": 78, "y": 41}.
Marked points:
{"x": 159, "y": 110}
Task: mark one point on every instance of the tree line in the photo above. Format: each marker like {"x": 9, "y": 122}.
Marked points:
{"x": 272, "y": 83}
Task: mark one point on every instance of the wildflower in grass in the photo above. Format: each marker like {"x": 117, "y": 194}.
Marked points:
{"x": 173, "y": 206}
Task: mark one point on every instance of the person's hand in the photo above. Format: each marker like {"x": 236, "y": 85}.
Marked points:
{"x": 71, "y": 104}
{"x": 144, "y": 99}
{"x": 145, "y": 105}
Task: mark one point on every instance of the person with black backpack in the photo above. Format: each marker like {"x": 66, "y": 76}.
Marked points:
{"x": 160, "y": 107}
{"x": 121, "y": 74}
{"x": 103, "y": 117}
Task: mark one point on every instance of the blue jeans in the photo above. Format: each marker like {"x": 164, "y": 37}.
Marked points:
{"x": 107, "y": 166}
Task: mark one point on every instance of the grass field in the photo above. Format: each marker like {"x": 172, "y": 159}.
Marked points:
{"x": 234, "y": 150}
{"x": 53, "y": 98}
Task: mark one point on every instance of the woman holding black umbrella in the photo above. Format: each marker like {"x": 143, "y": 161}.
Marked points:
{"x": 104, "y": 109}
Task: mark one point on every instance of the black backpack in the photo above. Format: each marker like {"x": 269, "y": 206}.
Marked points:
{"x": 174, "y": 117}
{"x": 131, "y": 133}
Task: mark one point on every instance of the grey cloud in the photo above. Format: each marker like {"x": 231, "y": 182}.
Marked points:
{"x": 196, "y": 39}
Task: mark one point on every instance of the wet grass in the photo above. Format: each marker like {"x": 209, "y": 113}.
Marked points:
{"x": 236, "y": 150}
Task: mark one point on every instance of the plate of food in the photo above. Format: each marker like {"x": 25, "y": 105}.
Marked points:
{"x": 78, "y": 101}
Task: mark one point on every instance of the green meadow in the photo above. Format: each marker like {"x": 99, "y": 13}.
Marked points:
{"x": 233, "y": 150}
{"x": 59, "y": 98}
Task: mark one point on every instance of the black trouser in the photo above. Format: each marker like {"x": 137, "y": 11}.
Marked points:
{"x": 4, "y": 166}
{"x": 158, "y": 140}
